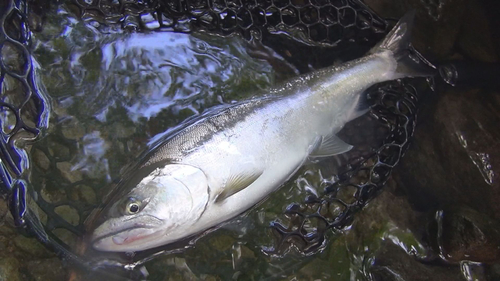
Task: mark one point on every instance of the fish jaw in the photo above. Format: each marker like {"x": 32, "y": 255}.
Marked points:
{"x": 116, "y": 235}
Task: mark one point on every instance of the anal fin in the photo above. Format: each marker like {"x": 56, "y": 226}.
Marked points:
{"x": 329, "y": 145}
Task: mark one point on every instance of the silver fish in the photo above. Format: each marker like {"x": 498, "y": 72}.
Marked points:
{"x": 230, "y": 159}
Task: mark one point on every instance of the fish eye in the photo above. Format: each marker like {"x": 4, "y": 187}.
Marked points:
{"x": 133, "y": 206}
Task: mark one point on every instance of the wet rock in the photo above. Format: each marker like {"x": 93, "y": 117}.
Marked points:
{"x": 210, "y": 278}
{"x": 4, "y": 208}
{"x": 242, "y": 256}
{"x": 68, "y": 213}
{"x": 47, "y": 269}
{"x": 52, "y": 194}
{"x": 347, "y": 194}
{"x": 468, "y": 235}
{"x": 212, "y": 255}
{"x": 58, "y": 109}
{"x": 170, "y": 269}
{"x": 84, "y": 193}
{"x": 478, "y": 271}
{"x": 333, "y": 264}
{"x": 246, "y": 253}
{"x": 7, "y": 228}
{"x": 388, "y": 217}
{"x": 66, "y": 236}
{"x": 391, "y": 216}
{"x": 68, "y": 173}
{"x": 32, "y": 247}
{"x": 175, "y": 276}
{"x": 13, "y": 58}
{"x": 393, "y": 263}
{"x": 41, "y": 160}
{"x": 454, "y": 156}
{"x": 120, "y": 130}
{"x": 9, "y": 269}
{"x": 58, "y": 150}
{"x": 73, "y": 130}
{"x": 37, "y": 211}
{"x": 221, "y": 242}
{"x": 493, "y": 271}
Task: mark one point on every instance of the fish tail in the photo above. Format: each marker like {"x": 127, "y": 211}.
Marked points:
{"x": 398, "y": 42}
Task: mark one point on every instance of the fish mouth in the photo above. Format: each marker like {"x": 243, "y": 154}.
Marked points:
{"x": 121, "y": 236}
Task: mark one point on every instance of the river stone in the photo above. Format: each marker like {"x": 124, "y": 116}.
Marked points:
{"x": 13, "y": 58}
{"x": 221, "y": 242}
{"x": 68, "y": 213}
{"x": 468, "y": 235}
{"x": 46, "y": 269}
{"x": 120, "y": 130}
{"x": 454, "y": 158}
{"x": 41, "y": 160}
{"x": 392, "y": 263}
{"x": 52, "y": 194}
{"x": 66, "y": 236}
{"x": 9, "y": 269}
{"x": 4, "y": 208}
{"x": 73, "y": 130}
{"x": 58, "y": 150}
{"x": 68, "y": 173}
{"x": 32, "y": 247}
{"x": 37, "y": 211}
{"x": 84, "y": 193}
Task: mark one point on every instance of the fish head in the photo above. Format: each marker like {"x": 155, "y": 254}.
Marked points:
{"x": 155, "y": 212}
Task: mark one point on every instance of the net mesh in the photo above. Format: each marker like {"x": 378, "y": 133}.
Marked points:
{"x": 24, "y": 109}
{"x": 23, "y": 105}
{"x": 304, "y": 225}
{"x": 319, "y": 21}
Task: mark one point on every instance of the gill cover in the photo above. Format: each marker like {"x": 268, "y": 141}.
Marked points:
{"x": 164, "y": 202}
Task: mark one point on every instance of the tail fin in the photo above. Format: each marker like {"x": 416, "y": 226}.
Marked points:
{"x": 410, "y": 62}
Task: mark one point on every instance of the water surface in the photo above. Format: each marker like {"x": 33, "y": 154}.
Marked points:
{"x": 114, "y": 92}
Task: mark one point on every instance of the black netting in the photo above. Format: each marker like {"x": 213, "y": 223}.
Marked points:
{"x": 337, "y": 23}
{"x": 393, "y": 114}
{"x": 23, "y": 105}
{"x": 326, "y": 21}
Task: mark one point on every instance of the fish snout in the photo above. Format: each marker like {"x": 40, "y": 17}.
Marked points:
{"x": 118, "y": 235}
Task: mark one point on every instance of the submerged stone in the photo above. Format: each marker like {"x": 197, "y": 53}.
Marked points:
{"x": 32, "y": 247}
{"x": 9, "y": 269}
{"x": 468, "y": 235}
{"x": 68, "y": 173}
{"x": 392, "y": 263}
{"x": 46, "y": 269}
{"x": 68, "y": 213}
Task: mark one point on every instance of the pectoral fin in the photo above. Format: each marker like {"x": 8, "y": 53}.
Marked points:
{"x": 328, "y": 146}
{"x": 237, "y": 183}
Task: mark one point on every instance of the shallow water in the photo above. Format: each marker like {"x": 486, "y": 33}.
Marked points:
{"x": 112, "y": 92}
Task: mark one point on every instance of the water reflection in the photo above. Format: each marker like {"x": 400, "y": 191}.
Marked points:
{"x": 480, "y": 159}
{"x": 113, "y": 93}
{"x": 93, "y": 161}
{"x": 142, "y": 83}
